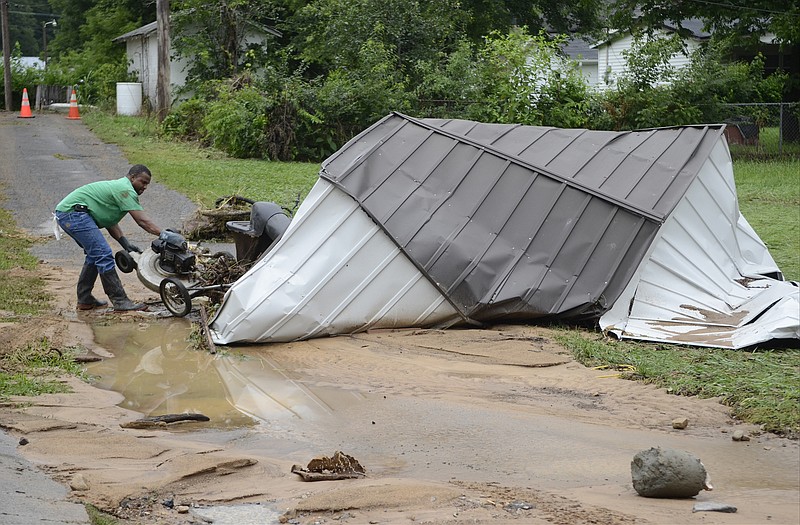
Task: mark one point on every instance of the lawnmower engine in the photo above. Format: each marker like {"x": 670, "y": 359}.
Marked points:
{"x": 173, "y": 252}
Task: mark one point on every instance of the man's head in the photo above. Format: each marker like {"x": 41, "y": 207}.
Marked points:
{"x": 140, "y": 177}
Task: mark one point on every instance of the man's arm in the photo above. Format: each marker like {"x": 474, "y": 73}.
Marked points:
{"x": 116, "y": 233}
{"x": 143, "y": 221}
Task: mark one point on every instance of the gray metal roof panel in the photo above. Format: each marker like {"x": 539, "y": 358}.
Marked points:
{"x": 511, "y": 220}
{"x": 138, "y": 32}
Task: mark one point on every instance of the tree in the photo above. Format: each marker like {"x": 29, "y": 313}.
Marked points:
{"x": 330, "y": 34}
{"x": 573, "y": 16}
{"x": 94, "y": 23}
{"x": 25, "y": 25}
{"x": 745, "y": 19}
{"x": 73, "y": 17}
{"x": 96, "y": 63}
{"x": 214, "y": 35}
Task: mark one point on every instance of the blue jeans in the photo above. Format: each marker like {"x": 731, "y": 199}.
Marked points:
{"x": 83, "y": 230}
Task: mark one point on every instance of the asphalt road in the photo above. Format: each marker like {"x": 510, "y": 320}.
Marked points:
{"x": 44, "y": 158}
{"x": 41, "y": 160}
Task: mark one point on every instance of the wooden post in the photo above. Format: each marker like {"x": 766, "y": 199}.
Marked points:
{"x": 6, "y": 53}
{"x": 212, "y": 348}
{"x": 163, "y": 74}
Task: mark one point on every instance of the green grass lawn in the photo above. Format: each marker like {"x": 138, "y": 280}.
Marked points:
{"x": 761, "y": 385}
{"x": 203, "y": 175}
{"x": 769, "y": 198}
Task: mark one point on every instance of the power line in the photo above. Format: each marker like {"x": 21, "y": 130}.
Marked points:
{"x": 744, "y": 7}
{"x": 51, "y": 15}
{"x": 30, "y": 6}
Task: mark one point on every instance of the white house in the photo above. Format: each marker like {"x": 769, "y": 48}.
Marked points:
{"x": 603, "y": 63}
{"x": 34, "y": 62}
{"x": 141, "y": 47}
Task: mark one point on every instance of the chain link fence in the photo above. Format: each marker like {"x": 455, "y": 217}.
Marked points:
{"x": 763, "y": 130}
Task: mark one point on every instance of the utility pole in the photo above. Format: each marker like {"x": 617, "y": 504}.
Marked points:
{"x": 6, "y": 53}
{"x": 162, "y": 77}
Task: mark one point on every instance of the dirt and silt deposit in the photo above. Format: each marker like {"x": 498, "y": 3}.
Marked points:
{"x": 457, "y": 426}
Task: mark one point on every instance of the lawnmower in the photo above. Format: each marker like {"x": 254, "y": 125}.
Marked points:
{"x": 180, "y": 271}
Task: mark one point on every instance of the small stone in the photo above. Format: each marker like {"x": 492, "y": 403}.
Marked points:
{"x": 680, "y": 423}
{"x": 710, "y": 506}
{"x": 78, "y": 483}
{"x": 23, "y": 441}
{"x": 740, "y": 436}
{"x": 182, "y": 509}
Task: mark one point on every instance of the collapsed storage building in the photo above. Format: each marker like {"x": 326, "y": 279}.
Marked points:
{"x": 436, "y": 223}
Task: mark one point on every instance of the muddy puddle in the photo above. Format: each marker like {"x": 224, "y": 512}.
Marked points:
{"x": 157, "y": 370}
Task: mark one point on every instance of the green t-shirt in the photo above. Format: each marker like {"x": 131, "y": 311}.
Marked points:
{"x": 108, "y": 200}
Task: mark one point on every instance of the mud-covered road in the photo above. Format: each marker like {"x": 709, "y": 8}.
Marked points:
{"x": 459, "y": 426}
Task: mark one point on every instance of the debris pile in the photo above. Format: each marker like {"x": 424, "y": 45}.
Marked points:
{"x": 338, "y": 466}
{"x": 210, "y": 223}
{"x": 221, "y": 268}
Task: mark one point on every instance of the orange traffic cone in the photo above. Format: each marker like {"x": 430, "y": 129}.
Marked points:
{"x": 73, "y": 107}
{"x": 25, "y": 111}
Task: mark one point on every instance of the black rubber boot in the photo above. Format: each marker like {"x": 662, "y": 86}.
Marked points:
{"x": 87, "y": 301}
{"x": 114, "y": 290}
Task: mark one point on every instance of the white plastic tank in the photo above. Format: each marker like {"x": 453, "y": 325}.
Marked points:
{"x": 129, "y": 98}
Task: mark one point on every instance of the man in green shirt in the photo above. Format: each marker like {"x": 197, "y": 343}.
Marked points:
{"x": 102, "y": 204}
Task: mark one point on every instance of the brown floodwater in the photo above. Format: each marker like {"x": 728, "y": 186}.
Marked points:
{"x": 414, "y": 415}
{"x": 158, "y": 371}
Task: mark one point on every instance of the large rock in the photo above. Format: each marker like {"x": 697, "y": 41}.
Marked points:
{"x": 667, "y": 473}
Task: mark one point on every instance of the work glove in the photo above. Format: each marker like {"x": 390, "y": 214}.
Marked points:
{"x": 127, "y": 246}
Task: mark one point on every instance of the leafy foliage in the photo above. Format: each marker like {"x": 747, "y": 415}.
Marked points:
{"x": 526, "y": 80}
{"x": 214, "y": 36}
{"x": 743, "y": 19}
{"x": 90, "y": 25}
{"x": 21, "y": 77}
{"x": 694, "y": 94}
{"x": 236, "y": 121}
{"x": 337, "y": 32}
{"x": 340, "y": 65}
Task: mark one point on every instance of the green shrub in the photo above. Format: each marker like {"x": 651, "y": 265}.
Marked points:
{"x": 21, "y": 77}
{"x": 695, "y": 94}
{"x": 349, "y": 100}
{"x": 185, "y": 122}
{"x": 236, "y": 122}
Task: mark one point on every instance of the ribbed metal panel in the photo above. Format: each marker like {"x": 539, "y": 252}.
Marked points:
{"x": 703, "y": 281}
{"x": 520, "y": 221}
{"x": 333, "y": 271}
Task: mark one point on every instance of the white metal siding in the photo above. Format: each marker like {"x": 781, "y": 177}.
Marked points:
{"x": 142, "y": 54}
{"x": 334, "y": 271}
{"x": 700, "y": 283}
